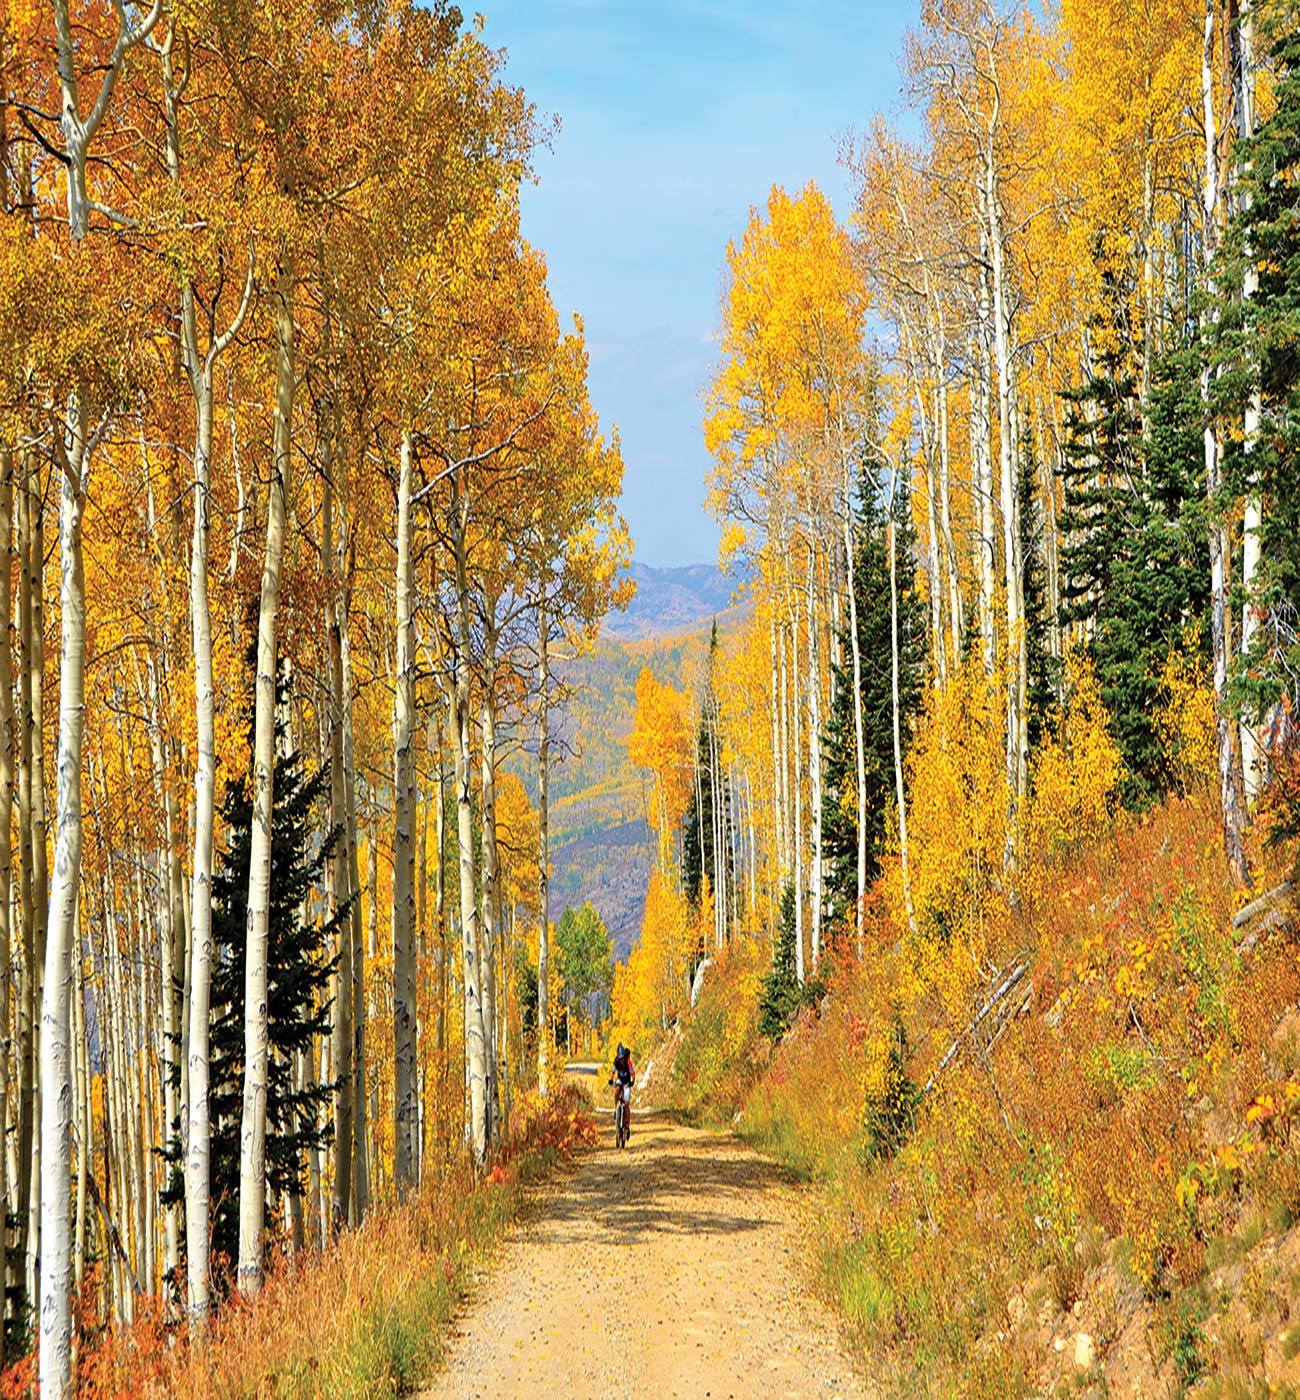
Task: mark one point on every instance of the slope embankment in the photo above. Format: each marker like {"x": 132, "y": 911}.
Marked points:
{"x": 1058, "y": 1162}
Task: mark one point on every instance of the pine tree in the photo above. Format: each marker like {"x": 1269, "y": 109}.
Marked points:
{"x": 780, "y": 994}
{"x": 1133, "y": 543}
{"x": 298, "y": 1004}
{"x": 698, "y": 858}
{"x": 839, "y": 756}
{"x": 1044, "y": 668}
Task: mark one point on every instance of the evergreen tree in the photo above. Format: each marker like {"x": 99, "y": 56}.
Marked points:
{"x": 780, "y": 995}
{"x": 698, "y": 857}
{"x": 839, "y": 745}
{"x": 297, "y": 1118}
{"x": 1256, "y": 353}
{"x": 1044, "y": 668}
{"x": 1134, "y": 552}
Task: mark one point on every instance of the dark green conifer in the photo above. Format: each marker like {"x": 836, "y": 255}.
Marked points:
{"x": 1134, "y": 552}
{"x": 298, "y": 1005}
{"x": 839, "y": 752}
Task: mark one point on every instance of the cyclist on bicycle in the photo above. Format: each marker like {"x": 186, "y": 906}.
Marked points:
{"x": 624, "y": 1075}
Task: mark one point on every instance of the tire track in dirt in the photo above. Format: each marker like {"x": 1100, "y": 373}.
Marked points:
{"x": 668, "y": 1269}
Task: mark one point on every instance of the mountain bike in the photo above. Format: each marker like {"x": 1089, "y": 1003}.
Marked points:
{"x": 620, "y": 1115}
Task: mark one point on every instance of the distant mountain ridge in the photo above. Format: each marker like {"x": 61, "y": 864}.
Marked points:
{"x": 672, "y": 601}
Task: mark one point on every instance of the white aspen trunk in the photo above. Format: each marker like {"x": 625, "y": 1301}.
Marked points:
{"x": 370, "y": 1092}
{"x": 859, "y": 733}
{"x": 1017, "y": 742}
{"x": 489, "y": 874}
{"x": 1148, "y": 274}
{"x": 929, "y": 450}
{"x": 783, "y": 773}
{"x": 39, "y": 853}
{"x": 956, "y": 618}
{"x": 56, "y": 1031}
{"x": 344, "y": 896}
{"x": 476, "y": 1048}
{"x": 28, "y": 1136}
{"x": 814, "y": 757}
{"x": 6, "y": 852}
{"x": 406, "y": 1108}
{"x": 73, "y": 455}
{"x": 981, "y": 429}
{"x": 753, "y": 848}
{"x": 360, "y": 1199}
{"x": 543, "y": 848}
{"x": 197, "y": 949}
{"x": 252, "y": 1136}
{"x": 1253, "y": 758}
{"x": 85, "y": 1120}
{"x": 775, "y": 715}
{"x": 933, "y": 561}
{"x": 440, "y": 905}
{"x": 900, "y": 791}
{"x": 719, "y": 837}
{"x": 1230, "y": 782}
{"x": 798, "y": 786}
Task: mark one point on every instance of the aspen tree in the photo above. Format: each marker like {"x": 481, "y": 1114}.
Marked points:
{"x": 543, "y": 844}
{"x": 74, "y": 447}
{"x": 200, "y": 365}
{"x": 6, "y": 850}
{"x": 1229, "y": 755}
{"x": 405, "y": 1095}
{"x": 252, "y": 1155}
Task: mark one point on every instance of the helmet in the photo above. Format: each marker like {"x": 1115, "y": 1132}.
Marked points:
{"x": 622, "y": 1050}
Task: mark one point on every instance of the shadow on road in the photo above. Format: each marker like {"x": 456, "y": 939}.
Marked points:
{"x": 659, "y": 1185}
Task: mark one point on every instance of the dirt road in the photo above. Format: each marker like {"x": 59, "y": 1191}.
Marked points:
{"x": 668, "y": 1269}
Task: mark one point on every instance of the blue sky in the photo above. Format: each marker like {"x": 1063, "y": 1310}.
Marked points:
{"x": 676, "y": 117}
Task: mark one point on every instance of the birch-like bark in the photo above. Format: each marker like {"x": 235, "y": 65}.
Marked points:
{"x": 1017, "y": 662}
{"x": 40, "y": 910}
{"x": 796, "y": 777}
{"x": 490, "y": 882}
{"x": 28, "y": 995}
{"x": 775, "y": 716}
{"x": 814, "y": 758}
{"x": 200, "y": 368}
{"x": 543, "y": 846}
{"x": 1253, "y": 758}
{"x": 56, "y": 1036}
{"x": 360, "y": 1201}
{"x": 476, "y": 1048}
{"x": 252, "y": 1135}
{"x": 859, "y": 734}
{"x": 406, "y": 1108}
{"x": 980, "y": 432}
{"x": 1229, "y": 757}
{"x": 344, "y": 897}
{"x": 6, "y": 849}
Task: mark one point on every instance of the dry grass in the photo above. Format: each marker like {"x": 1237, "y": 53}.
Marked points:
{"x": 365, "y": 1318}
{"x": 1054, "y": 1152}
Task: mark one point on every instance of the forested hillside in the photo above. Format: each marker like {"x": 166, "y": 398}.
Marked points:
{"x": 300, "y": 485}
{"x": 985, "y": 820}
{"x": 601, "y": 842}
